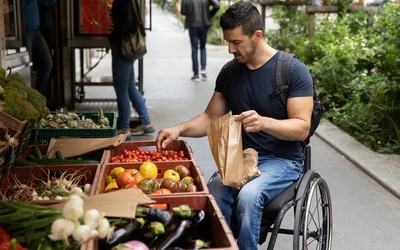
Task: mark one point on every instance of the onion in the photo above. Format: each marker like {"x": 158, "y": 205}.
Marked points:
{"x": 73, "y": 208}
{"x": 92, "y": 218}
{"x": 61, "y": 229}
{"x": 82, "y": 233}
{"x": 105, "y": 230}
{"x": 132, "y": 245}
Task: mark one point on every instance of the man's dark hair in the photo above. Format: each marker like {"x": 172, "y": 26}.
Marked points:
{"x": 243, "y": 14}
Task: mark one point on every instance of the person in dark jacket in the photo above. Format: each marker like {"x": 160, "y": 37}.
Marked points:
{"x": 36, "y": 45}
{"x": 198, "y": 20}
{"x": 123, "y": 22}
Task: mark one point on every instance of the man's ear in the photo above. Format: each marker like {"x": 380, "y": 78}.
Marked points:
{"x": 259, "y": 35}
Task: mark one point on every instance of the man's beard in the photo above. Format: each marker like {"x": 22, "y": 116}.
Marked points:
{"x": 248, "y": 56}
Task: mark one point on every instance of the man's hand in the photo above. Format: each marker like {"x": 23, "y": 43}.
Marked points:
{"x": 251, "y": 121}
{"x": 166, "y": 136}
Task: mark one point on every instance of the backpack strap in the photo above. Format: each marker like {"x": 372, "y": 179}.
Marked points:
{"x": 282, "y": 76}
{"x": 228, "y": 74}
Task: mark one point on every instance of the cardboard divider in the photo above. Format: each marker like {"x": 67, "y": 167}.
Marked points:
{"x": 90, "y": 175}
{"x": 195, "y": 172}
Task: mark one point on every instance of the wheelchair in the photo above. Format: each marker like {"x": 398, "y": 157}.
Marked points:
{"x": 310, "y": 199}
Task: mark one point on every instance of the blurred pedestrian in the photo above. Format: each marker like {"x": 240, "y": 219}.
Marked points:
{"x": 123, "y": 22}
{"x": 198, "y": 21}
{"x": 36, "y": 45}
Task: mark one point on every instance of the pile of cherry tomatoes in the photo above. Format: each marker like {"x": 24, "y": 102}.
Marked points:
{"x": 142, "y": 155}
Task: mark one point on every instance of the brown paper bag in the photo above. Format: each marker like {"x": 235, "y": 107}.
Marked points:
{"x": 235, "y": 166}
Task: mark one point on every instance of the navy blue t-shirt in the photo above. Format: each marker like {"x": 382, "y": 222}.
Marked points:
{"x": 250, "y": 90}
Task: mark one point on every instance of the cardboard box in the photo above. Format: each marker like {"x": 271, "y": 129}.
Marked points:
{"x": 195, "y": 172}
{"x": 151, "y": 145}
{"x": 90, "y": 175}
{"x": 219, "y": 233}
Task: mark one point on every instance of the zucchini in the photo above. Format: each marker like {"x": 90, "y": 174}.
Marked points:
{"x": 18, "y": 162}
{"x": 59, "y": 155}
{"x": 30, "y": 157}
{"x": 36, "y": 152}
{"x": 63, "y": 162}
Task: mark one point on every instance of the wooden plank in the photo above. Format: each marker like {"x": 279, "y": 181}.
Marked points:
{"x": 2, "y": 38}
{"x": 310, "y": 9}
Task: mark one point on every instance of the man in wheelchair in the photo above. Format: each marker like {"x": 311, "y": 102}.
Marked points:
{"x": 271, "y": 129}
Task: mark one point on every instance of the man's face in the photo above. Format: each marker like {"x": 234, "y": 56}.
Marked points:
{"x": 241, "y": 46}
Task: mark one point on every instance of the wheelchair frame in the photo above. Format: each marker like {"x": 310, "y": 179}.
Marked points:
{"x": 310, "y": 199}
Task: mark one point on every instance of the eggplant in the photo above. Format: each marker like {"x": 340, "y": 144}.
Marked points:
{"x": 200, "y": 221}
{"x": 153, "y": 214}
{"x": 121, "y": 235}
{"x": 177, "y": 233}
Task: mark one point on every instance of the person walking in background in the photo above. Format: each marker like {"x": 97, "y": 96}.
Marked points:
{"x": 268, "y": 126}
{"x": 36, "y": 45}
{"x": 123, "y": 22}
{"x": 198, "y": 20}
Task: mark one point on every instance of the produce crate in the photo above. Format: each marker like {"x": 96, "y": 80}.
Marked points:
{"x": 195, "y": 172}
{"x": 43, "y": 150}
{"x": 43, "y": 135}
{"x": 20, "y": 130}
{"x": 151, "y": 145}
{"x": 4, "y": 160}
{"x": 24, "y": 138}
{"x": 11, "y": 122}
{"x": 219, "y": 233}
{"x": 90, "y": 175}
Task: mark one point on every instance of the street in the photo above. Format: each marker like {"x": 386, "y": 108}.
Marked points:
{"x": 365, "y": 215}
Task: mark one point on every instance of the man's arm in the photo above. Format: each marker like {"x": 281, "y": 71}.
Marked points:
{"x": 215, "y": 7}
{"x": 295, "y": 128}
{"x": 196, "y": 127}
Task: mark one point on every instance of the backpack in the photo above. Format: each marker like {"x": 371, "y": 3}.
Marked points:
{"x": 282, "y": 88}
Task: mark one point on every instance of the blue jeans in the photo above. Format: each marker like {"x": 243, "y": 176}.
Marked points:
{"x": 196, "y": 35}
{"x": 247, "y": 204}
{"x": 126, "y": 91}
{"x": 39, "y": 54}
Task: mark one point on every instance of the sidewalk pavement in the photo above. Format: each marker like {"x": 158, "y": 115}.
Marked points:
{"x": 384, "y": 169}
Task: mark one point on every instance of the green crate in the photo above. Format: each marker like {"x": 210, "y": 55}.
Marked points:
{"x": 43, "y": 135}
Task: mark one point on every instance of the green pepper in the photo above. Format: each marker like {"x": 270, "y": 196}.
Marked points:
{"x": 148, "y": 185}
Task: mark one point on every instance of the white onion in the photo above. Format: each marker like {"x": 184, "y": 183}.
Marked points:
{"x": 73, "y": 209}
{"x": 61, "y": 229}
{"x": 82, "y": 233}
{"x": 92, "y": 218}
{"x": 104, "y": 229}
{"x": 87, "y": 188}
{"x": 76, "y": 190}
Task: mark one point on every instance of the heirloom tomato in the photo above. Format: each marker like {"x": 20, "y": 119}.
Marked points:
{"x": 129, "y": 176}
{"x": 172, "y": 174}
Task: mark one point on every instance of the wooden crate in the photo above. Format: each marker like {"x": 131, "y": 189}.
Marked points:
{"x": 195, "y": 171}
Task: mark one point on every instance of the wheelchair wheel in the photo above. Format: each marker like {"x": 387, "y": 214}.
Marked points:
{"x": 313, "y": 216}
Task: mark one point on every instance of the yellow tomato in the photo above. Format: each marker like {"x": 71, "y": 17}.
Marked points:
{"x": 172, "y": 174}
{"x": 110, "y": 178}
{"x": 117, "y": 170}
{"x": 148, "y": 170}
